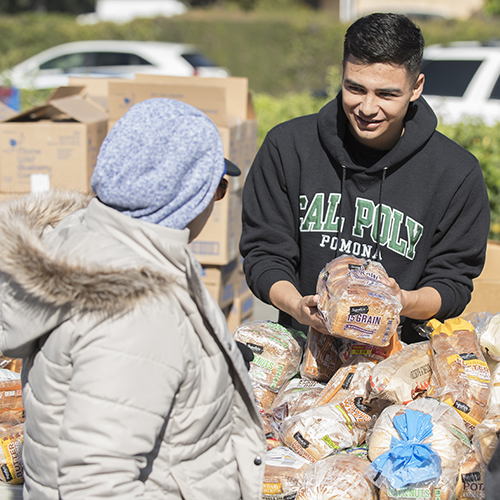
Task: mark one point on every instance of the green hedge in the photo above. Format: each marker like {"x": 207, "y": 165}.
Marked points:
{"x": 279, "y": 52}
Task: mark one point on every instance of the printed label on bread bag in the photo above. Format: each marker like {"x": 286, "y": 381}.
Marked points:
{"x": 284, "y": 457}
{"x": 257, "y": 349}
{"x": 409, "y": 493}
{"x": 12, "y": 447}
{"x": 355, "y": 310}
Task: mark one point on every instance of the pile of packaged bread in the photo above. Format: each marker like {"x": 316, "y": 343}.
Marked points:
{"x": 357, "y": 414}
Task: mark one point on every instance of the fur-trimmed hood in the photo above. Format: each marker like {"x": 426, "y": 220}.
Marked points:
{"x": 66, "y": 253}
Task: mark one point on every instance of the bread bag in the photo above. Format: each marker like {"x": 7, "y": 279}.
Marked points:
{"x": 277, "y": 354}
{"x": 339, "y": 477}
{"x": 11, "y": 461}
{"x": 485, "y": 438}
{"x": 449, "y": 436}
{"x": 324, "y": 430}
{"x": 460, "y": 375}
{"x": 284, "y": 474}
{"x": 470, "y": 483}
{"x": 443, "y": 489}
{"x": 295, "y": 396}
{"x": 321, "y": 359}
{"x": 351, "y": 379}
{"x": 404, "y": 375}
{"x": 355, "y": 303}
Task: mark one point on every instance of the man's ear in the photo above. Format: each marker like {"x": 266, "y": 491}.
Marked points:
{"x": 418, "y": 87}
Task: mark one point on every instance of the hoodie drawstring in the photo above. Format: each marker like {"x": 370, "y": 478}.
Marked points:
{"x": 341, "y": 227}
{"x": 380, "y": 213}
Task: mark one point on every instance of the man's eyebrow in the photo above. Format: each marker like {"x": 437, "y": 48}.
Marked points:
{"x": 391, "y": 90}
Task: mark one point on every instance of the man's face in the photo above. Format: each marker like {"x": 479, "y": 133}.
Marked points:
{"x": 375, "y": 98}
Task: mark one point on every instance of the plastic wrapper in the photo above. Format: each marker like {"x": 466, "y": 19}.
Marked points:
{"x": 494, "y": 401}
{"x": 443, "y": 489}
{"x": 328, "y": 429}
{"x": 296, "y": 396}
{"x": 448, "y": 439}
{"x": 12, "y": 364}
{"x": 485, "y": 438}
{"x": 351, "y": 379}
{"x": 487, "y": 326}
{"x": 321, "y": 359}
{"x": 409, "y": 460}
{"x": 264, "y": 397}
{"x": 277, "y": 354}
{"x": 11, "y": 396}
{"x": 284, "y": 474}
{"x": 339, "y": 477}
{"x": 470, "y": 484}
{"x": 11, "y": 461}
{"x": 273, "y": 439}
{"x": 347, "y": 348}
{"x": 460, "y": 374}
{"x": 355, "y": 303}
{"x": 403, "y": 376}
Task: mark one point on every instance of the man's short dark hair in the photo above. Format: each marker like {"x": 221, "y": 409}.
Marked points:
{"x": 388, "y": 39}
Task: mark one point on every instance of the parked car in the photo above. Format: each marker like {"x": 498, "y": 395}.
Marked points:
{"x": 122, "y": 11}
{"x": 109, "y": 58}
{"x": 462, "y": 80}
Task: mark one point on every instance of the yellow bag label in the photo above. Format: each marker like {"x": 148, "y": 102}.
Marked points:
{"x": 12, "y": 470}
{"x": 450, "y": 326}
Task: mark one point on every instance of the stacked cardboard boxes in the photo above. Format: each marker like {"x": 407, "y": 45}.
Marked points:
{"x": 53, "y": 145}
{"x": 486, "y": 293}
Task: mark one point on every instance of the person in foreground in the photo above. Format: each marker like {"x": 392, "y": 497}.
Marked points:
{"x": 133, "y": 386}
{"x": 368, "y": 176}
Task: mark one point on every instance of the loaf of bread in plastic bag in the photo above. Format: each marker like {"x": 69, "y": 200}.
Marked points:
{"x": 352, "y": 379}
{"x": 460, "y": 374}
{"x": 404, "y": 375}
{"x": 321, "y": 359}
{"x": 327, "y": 429}
{"x": 449, "y": 436}
{"x": 355, "y": 303}
{"x": 284, "y": 473}
{"x": 277, "y": 354}
{"x": 295, "y": 396}
{"x": 444, "y": 489}
{"x": 339, "y": 477}
{"x": 470, "y": 484}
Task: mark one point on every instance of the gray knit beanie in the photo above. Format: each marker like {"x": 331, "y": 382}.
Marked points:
{"x": 161, "y": 163}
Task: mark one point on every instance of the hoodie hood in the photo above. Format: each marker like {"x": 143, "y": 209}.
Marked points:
{"x": 42, "y": 286}
{"x": 420, "y": 123}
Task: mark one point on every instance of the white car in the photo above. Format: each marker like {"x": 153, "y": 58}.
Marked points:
{"x": 107, "y": 59}
{"x": 462, "y": 81}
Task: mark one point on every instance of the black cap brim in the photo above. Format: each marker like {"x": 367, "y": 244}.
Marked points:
{"x": 231, "y": 168}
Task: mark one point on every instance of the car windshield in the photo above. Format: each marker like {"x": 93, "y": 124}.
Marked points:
{"x": 448, "y": 77}
{"x": 198, "y": 60}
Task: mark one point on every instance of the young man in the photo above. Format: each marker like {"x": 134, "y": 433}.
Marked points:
{"x": 369, "y": 176}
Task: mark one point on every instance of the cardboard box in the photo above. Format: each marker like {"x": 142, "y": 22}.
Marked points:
{"x": 217, "y": 244}
{"x": 486, "y": 293}
{"x": 225, "y": 100}
{"x": 241, "y": 311}
{"x": 53, "y": 145}
{"x": 223, "y": 282}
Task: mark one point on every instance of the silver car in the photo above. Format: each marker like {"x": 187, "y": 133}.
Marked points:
{"x": 107, "y": 59}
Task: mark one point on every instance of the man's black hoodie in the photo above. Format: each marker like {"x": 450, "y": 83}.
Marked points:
{"x": 431, "y": 229}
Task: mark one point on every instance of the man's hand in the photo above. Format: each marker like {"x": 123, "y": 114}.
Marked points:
{"x": 423, "y": 303}
{"x": 286, "y": 297}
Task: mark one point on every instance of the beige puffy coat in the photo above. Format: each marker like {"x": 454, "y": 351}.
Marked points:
{"x": 133, "y": 385}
